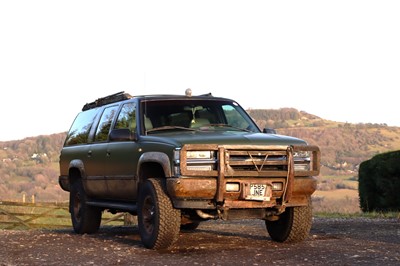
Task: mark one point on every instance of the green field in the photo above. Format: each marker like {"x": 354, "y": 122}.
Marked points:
{"x": 336, "y": 194}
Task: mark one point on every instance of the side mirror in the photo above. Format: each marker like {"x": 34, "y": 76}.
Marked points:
{"x": 122, "y": 134}
{"x": 269, "y": 131}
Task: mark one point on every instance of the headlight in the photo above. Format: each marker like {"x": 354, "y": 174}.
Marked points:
{"x": 302, "y": 160}
{"x": 201, "y": 160}
{"x": 301, "y": 154}
{"x": 199, "y": 154}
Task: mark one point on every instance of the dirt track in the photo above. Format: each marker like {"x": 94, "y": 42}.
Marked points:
{"x": 332, "y": 241}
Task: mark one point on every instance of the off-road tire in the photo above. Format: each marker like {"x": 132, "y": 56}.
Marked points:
{"x": 294, "y": 225}
{"x": 85, "y": 219}
{"x": 159, "y": 222}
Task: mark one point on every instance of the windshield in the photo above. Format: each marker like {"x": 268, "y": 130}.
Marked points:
{"x": 160, "y": 115}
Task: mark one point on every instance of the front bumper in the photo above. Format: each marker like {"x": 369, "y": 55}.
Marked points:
{"x": 244, "y": 166}
{"x": 200, "y": 193}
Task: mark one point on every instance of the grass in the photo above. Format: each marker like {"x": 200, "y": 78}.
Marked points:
{"x": 337, "y": 194}
{"x": 343, "y": 203}
{"x": 23, "y": 217}
{"x": 370, "y": 215}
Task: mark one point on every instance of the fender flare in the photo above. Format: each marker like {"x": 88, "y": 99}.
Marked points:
{"x": 78, "y": 164}
{"x": 156, "y": 157}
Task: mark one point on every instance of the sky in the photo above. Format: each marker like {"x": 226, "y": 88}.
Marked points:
{"x": 339, "y": 60}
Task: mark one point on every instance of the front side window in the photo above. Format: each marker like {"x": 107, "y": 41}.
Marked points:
{"x": 235, "y": 117}
{"x": 127, "y": 117}
{"x": 105, "y": 123}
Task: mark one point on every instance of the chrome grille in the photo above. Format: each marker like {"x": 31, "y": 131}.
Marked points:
{"x": 257, "y": 162}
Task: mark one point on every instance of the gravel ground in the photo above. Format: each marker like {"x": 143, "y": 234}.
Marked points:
{"x": 356, "y": 241}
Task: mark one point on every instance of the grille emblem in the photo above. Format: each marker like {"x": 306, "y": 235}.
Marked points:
{"x": 259, "y": 169}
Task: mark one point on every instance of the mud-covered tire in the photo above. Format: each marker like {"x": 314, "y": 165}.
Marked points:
{"x": 85, "y": 219}
{"x": 294, "y": 225}
{"x": 159, "y": 222}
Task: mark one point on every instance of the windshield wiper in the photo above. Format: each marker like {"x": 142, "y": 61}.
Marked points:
{"x": 230, "y": 126}
{"x": 169, "y": 128}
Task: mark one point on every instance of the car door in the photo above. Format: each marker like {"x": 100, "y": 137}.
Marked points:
{"x": 96, "y": 164}
{"x": 122, "y": 158}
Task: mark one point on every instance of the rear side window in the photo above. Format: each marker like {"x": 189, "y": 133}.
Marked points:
{"x": 105, "y": 123}
{"x": 79, "y": 131}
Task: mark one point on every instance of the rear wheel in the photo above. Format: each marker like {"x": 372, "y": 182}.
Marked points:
{"x": 85, "y": 218}
{"x": 158, "y": 221}
{"x": 294, "y": 225}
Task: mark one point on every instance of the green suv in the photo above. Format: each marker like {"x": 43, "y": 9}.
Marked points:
{"x": 178, "y": 160}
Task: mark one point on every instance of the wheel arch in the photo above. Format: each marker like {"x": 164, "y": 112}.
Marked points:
{"x": 76, "y": 171}
{"x": 153, "y": 164}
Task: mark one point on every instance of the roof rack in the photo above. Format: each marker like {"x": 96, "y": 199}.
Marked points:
{"x": 116, "y": 97}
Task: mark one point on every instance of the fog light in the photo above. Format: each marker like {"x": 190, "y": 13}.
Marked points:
{"x": 277, "y": 185}
{"x": 232, "y": 187}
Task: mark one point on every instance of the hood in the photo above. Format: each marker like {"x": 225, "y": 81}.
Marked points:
{"x": 225, "y": 137}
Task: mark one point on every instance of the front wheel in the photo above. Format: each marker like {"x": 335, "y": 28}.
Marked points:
{"x": 294, "y": 225}
{"x": 158, "y": 220}
{"x": 85, "y": 218}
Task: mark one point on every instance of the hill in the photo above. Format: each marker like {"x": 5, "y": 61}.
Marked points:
{"x": 30, "y": 166}
{"x": 343, "y": 145}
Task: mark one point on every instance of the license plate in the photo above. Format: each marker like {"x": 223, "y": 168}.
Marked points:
{"x": 259, "y": 192}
